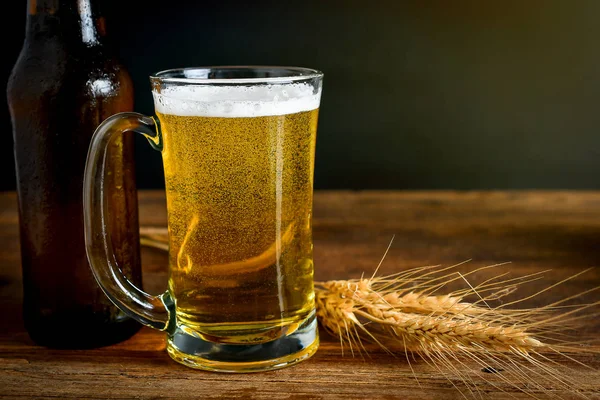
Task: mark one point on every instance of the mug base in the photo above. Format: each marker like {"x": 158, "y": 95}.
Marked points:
{"x": 195, "y": 352}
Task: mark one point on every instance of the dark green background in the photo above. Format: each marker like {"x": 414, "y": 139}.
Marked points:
{"x": 417, "y": 94}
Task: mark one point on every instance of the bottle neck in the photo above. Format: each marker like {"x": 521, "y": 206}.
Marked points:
{"x": 76, "y": 20}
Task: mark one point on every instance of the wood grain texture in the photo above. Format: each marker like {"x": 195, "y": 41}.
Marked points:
{"x": 534, "y": 231}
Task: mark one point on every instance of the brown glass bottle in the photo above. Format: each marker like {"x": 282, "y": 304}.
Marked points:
{"x": 64, "y": 83}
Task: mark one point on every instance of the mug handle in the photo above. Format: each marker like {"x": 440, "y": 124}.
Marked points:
{"x": 152, "y": 311}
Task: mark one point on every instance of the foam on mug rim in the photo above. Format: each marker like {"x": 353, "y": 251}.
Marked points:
{"x": 236, "y": 101}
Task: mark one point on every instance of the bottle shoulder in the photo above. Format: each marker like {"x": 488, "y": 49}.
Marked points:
{"x": 50, "y": 69}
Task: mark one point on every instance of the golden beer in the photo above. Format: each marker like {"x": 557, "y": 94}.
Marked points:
{"x": 239, "y": 199}
{"x": 238, "y": 146}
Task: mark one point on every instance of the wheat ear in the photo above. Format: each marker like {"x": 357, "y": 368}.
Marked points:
{"x": 400, "y": 314}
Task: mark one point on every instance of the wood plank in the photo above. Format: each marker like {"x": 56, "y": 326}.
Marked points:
{"x": 535, "y": 231}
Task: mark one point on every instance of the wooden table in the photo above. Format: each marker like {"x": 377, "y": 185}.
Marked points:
{"x": 535, "y": 231}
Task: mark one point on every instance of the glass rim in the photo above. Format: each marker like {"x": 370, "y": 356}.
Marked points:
{"x": 187, "y": 75}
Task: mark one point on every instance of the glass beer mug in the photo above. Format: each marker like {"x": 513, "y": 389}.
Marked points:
{"x": 238, "y": 147}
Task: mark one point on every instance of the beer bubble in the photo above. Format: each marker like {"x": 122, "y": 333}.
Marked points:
{"x": 227, "y": 107}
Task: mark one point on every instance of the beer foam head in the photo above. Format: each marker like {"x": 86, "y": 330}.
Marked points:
{"x": 236, "y": 101}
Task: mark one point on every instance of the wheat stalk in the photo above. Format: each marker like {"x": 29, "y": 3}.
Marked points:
{"x": 402, "y": 314}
